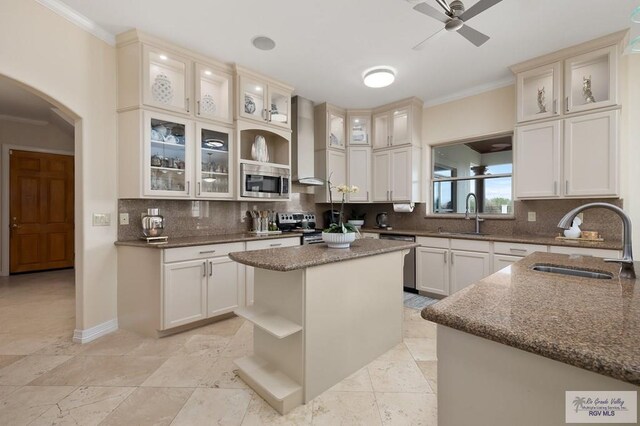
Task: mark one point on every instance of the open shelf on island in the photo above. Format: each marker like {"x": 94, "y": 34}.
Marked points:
{"x": 275, "y": 325}
{"x": 273, "y": 385}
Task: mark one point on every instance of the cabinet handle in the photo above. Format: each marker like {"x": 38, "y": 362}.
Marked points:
{"x": 555, "y": 187}
{"x": 367, "y": 195}
{"x": 210, "y": 268}
{"x": 555, "y": 106}
{"x": 566, "y": 104}
{"x": 186, "y": 102}
{"x": 390, "y": 140}
{"x": 566, "y": 187}
{"x": 207, "y": 251}
{"x": 452, "y": 258}
{"x": 198, "y": 105}
{"x": 445, "y": 256}
{"x": 199, "y": 188}
{"x": 391, "y": 195}
{"x": 275, "y": 244}
{"x": 204, "y": 269}
{"x": 515, "y": 250}
{"x": 188, "y": 187}
{"x": 387, "y": 195}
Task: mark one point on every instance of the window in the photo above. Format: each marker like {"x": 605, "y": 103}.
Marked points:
{"x": 482, "y": 167}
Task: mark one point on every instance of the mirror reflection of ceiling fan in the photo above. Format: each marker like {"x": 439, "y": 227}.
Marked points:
{"x": 455, "y": 18}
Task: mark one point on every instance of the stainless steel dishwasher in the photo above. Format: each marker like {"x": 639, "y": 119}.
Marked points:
{"x": 409, "y": 261}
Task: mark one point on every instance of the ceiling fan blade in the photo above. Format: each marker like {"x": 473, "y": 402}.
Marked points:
{"x": 431, "y": 11}
{"x": 474, "y": 36}
{"x": 479, "y": 7}
{"x": 443, "y": 4}
{"x": 433, "y": 36}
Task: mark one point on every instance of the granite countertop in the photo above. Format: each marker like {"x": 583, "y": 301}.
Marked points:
{"x": 516, "y": 238}
{"x": 589, "y": 323}
{"x": 292, "y": 258}
{"x": 206, "y": 239}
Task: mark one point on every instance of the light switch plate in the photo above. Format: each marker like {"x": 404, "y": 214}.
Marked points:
{"x": 101, "y": 219}
{"x": 124, "y": 218}
{"x": 531, "y": 216}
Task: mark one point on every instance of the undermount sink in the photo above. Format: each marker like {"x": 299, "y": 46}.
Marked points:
{"x": 583, "y": 273}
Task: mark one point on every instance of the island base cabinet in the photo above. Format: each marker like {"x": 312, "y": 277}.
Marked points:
{"x": 185, "y": 293}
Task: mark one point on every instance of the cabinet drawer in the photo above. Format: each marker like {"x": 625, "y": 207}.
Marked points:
{"x": 273, "y": 243}
{"x": 516, "y": 249}
{"x": 201, "y": 252}
{"x": 433, "y": 242}
{"x": 469, "y": 245}
{"x": 585, "y": 251}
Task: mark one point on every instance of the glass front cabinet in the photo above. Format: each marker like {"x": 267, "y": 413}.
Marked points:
{"x": 166, "y": 82}
{"x": 590, "y": 80}
{"x": 214, "y": 162}
{"x": 213, "y": 94}
{"x": 264, "y": 102}
{"x": 359, "y": 128}
{"x": 538, "y": 92}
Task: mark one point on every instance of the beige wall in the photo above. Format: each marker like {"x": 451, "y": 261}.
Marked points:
{"x": 76, "y": 72}
{"x": 46, "y": 136}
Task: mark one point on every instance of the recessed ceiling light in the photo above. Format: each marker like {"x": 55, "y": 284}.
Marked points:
{"x": 207, "y": 72}
{"x": 164, "y": 57}
{"x": 263, "y": 43}
{"x": 259, "y": 88}
{"x": 380, "y": 76}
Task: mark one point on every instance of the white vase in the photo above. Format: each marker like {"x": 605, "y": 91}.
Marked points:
{"x": 338, "y": 240}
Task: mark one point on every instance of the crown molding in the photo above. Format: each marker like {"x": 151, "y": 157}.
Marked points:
{"x": 23, "y": 120}
{"x": 79, "y": 19}
{"x": 476, "y": 90}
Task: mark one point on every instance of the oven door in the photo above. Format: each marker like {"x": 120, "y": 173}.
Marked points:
{"x": 264, "y": 182}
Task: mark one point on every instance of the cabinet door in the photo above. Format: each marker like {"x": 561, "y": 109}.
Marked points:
{"x": 359, "y": 130}
{"x": 279, "y": 107}
{"x": 168, "y": 163}
{"x": 359, "y": 171}
{"x": 400, "y": 184}
{"x": 537, "y": 165}
{"x": 381, "y": 127}
{"x": 213, "y": 94}
{"x": 381, "y": 176}
{"x": 591, "y": 80}
{"x": 337, "y": 169}
{"x": 591, "y": 155}
{"x": 251, "y": 102}
{"x": 432, "y": 270}
{"x": 400, "y": 129}
{"x": 538, "y": 92}
{"x": 184, "y": 292}
{"x": 225, "y": 278}
{"x": 501, "y": 261}
{"x": 166, "y": 82}
{"x": 213, "y": 164}
{"x": 467, "y": 267}
{"x": 336, "y": 131}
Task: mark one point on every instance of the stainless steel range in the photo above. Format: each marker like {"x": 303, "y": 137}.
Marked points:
{"x": 303, "y": 223}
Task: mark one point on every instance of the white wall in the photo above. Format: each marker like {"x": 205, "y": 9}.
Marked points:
{"x": 47, "y": 136}
{"x": 76, "y": 72}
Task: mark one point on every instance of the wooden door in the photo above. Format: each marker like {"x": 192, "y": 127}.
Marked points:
{"x": 40, "y": 211}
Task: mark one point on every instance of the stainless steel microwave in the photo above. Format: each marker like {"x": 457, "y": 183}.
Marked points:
{"x": 264, "y": 181}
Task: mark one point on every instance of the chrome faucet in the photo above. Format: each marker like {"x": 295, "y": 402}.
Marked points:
{"x": 626, "y": 263}
{"x": 466, "y": 213}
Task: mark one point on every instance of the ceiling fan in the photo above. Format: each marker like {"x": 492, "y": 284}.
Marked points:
{"x": 455, "y": 18}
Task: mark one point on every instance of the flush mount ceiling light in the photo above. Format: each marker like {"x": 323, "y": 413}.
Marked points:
{"x": 379, "y": 76}
{"x": 263, "y": 43}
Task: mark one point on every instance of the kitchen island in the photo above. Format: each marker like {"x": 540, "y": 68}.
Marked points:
{"x": 319, "y": 315}
{"x": 510, "y": 345}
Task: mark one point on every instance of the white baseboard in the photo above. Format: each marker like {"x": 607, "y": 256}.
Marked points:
{"x": 89, "y": 334}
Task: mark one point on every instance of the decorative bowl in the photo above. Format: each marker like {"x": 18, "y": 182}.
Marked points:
{"x": 338, "y": 240}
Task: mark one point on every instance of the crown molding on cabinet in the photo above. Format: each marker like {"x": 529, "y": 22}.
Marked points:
{"x": 476, "y": 90}
{"x": 24, "y": 120}
{"x": 79, "y": 19}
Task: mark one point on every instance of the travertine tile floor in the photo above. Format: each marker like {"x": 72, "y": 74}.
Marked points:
{"x": 186, "y": 379}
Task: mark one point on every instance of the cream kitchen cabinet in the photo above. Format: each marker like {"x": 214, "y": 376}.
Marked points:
{"x": 505, "y": 254}
{"x": 262, "y": 99}
{"x": 359, "y": 127}
{"x": 580, "y": 162}
{"x": 330, "y": 124}
{"x": 166, "y": 81}
{"x": 590, "y": 80}
{"x": 432, "y": 270}
{"x": 397, "y": 124}
{"x": 213, "y": 93}
{"x": 330, "y": 165}
{"x": 396, "y": 175}
{"x": 539, "y": 92}
{"x": 359, "y": 173}
{"x": 185, "y": 293}
{"x": 470, "y": 262}
{"x": 586, "y": 251}
{"x": 224, "y": 285}
{"x": 215, "y": 165}
{"x": 261, "y": 245}
{"x": 501, "y": 261}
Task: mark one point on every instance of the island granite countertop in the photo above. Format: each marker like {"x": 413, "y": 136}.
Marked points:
{"x": 206, "y": 239}
{"x": 300, "y": 257}
{"x": 588, "y": 323}
{"x": 515, "y": 238}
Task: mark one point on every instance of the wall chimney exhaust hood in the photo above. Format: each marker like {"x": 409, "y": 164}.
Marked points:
{"x": 302, "y": 146}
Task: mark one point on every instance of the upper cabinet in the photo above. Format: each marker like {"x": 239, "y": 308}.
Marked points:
{"x": 574, "y": 80}
{"x": 397, "y": 124}
{"x": 359, "y": 127}
{"x": 330, "y": 127}
{"x": 166, "y": 82}
{"x": 213, "y": 93}
{"x": 263, "y": 100}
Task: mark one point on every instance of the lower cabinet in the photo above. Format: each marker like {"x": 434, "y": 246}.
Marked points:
{"x": 185, "y": 292}
{"x": 223, "y": 285}
{"x": 467, "y": 267}
{"x": 432, "y": 270}
{"x": 501, "y": 261}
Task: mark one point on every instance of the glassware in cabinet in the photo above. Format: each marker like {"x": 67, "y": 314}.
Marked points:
{"x": 166, "y": 80}
{"x": 213, "y": 94}
{"x": 168, "y": 155}
{"x": 213, "y": 159}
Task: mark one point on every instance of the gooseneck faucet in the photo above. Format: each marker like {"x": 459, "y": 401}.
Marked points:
{"x": 626, "y": 263}
{"x": 466, "y": 213}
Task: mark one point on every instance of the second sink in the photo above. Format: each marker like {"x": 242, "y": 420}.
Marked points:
{"x": 584, "y": 273}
